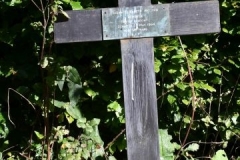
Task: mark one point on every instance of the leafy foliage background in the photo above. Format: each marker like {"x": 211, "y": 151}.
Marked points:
{"x": 66, "y": 101}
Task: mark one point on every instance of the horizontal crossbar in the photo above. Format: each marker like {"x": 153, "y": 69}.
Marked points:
{"x": 185, "y": 18}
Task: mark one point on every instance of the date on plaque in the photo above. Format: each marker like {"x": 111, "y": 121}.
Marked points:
{"x": 135, "y": 22}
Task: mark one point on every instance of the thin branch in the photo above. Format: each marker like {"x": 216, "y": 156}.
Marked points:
{"x": 42, "y": 7}
{"x": 36, "y": 5}
{"x": 203, "y": 157}
{"x": 114, "y": 139}
{"x": 233, "y": 91}
{"x": 193, "y": 97}
{"x": 22, "y": 97}
{"x": 220, "y": 96}
{"x": 9, "y": 148}
{"x": 201, "y": 143}
{"x": 8, "y": 101}
{"x": 169, "y": 89}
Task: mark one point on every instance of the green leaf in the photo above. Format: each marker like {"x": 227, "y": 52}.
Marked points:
{"x": 14, "y": 2}
{"x": 217, "y": 71}
{"x": 227, "y": 122}
{"x": 76, "y": 5}
{"x": 166, "y": 147}
{"x": 192, "y": 147}
{"x": 60, "y": 104}
{"x": 228, "y": 134}
{"x": 234, "y": 118}
{"x": 72, "y": 74}
{"x": 85, "y": 153}
{"x": 204, "y": 86}
{"x": 177, "y": 117}
{"x": 182, "y": 86}
{"x": 39, "y": 135}
{"x": 171, "y": 71}
{"x": 186, "y": 119}
{"x": 233, "y": 63}
{"x": 114, "y": 106}
{"x": 157, "y": 65}
{"x": 44, "y": 62}
{"x": 111, "y": 158}
{"x": 186, "y": 102}
{"x": 89, "y": 129}
{"x": 69, "y": 118}
{"x": 74, "y": 111}
{"x": 65, "y": 1}
{"x": 225, "y": 30}
{"x": 171, "y": 99}
{"x": 64, "y": 14}
{"x": 74, "y": 93}
{"x": 81, "y": 124}
{"x": 94, "y": 122}
{"x": 90, "y": 92}
{"x": 220, "y": 155}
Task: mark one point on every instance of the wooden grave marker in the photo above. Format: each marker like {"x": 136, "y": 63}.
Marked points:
{"x": 133, "y": 22}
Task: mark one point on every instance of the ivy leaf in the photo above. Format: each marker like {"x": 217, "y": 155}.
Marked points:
{"x": 192, "y": 147}
{"x": 114, "y": 106}
{"x": 171, "y": 99}
{"x": 220, "y": 155}
{"x": 182, "y": 86}
{"x": 81, "y": 125}
{"x": 94, "y": 122}
{"x": 157, "y": 65}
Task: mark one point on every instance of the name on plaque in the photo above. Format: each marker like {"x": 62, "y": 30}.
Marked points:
{"x": 135, "y": 22}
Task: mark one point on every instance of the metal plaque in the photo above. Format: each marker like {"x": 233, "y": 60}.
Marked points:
{"x": 135, "y": 22}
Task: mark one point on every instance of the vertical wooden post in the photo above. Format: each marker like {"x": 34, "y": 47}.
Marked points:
{"x": 140, "y": 94}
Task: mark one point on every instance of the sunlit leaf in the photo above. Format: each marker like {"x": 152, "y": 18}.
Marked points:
{"x": 171, "y": 99}
{"x": 74, "y": 111}
{"x": 157, "y": 65}
{"x": 167, "y": 148}
{"x": 192, "y": 147}
{"x": 39, "y": 135}
{"x": 220, "y": 155}
{"x": 76, "y": 5}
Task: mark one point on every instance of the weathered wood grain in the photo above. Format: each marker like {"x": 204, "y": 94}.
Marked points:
{"x": 194, "y": 18}
{"x": 84, "y": 25}
{"x": 184, "y": 19}
{"x": 130, "y": 3}
{"x": 140, "y": 100}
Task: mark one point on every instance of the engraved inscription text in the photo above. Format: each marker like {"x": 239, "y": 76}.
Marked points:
{"x": 134, "y": 22}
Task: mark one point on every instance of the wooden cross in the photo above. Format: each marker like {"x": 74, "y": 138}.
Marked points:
{"x": 133, "y": 22}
